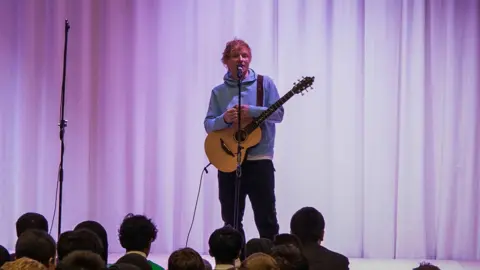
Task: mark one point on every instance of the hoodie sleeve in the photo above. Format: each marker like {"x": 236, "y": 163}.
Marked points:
{"x": 271, "y": 96}
{"x": 214, "y": 119}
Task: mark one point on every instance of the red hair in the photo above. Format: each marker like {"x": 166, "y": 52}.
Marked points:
{"x": 232, "y": 46}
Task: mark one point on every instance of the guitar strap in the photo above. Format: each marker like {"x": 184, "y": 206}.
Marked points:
{"x": 259, "y": 102}
{"x": 260, "y": 90}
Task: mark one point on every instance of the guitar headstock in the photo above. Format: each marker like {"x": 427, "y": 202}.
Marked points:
{"x": 303, "y": 84}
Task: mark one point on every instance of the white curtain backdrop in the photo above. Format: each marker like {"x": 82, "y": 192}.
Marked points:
{"x": 386, "y": 146}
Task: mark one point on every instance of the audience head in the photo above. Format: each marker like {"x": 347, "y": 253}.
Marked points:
{"x": 308, "y": 225}
{"x": 4, "y": 255}
{"x": 259, "y": 261}
{"x": 185, "y": 259}
{"x": 135, "y": 259}
{"x": 31, "y": 220}
{"x": 81, "y": 260}
{"x": 81, "y": 239}
{"x": 225, "y": 245}
{"x": 426, "y": 266}
{"x": 100, "y": 231}
{"x": 37, "y": 245}
{"x": 137, "y": 233}
{"x": 25, "y": 264}
{"x": 208, "y": 265}
{"x": 123, "y": 266}
{"x": 286, "y": 239}
{"x": 289, "y": 257}
{"x": 255, "y": 245}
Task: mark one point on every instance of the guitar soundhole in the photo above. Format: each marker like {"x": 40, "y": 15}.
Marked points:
{"x": 240, "y": 136}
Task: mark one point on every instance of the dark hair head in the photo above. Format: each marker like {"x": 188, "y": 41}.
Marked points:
{"x": 100, "y": 231}
{"x": 123, "y": 266}
{"x": 426, "y": 266}
{"x": 81, "y": 239}
{"x": 81, "y": 260}
{"x": 286, "y": 239}
{"x": 185, "y": 259}
{"x": 4, "y": 255}
{"x": 36, "y": 245}
{"x": 135, "y": 259}
{"x": 31, "y": 220}
{"x": 225, "y": 245}
{"x": 137, "y": 233}
{"x": 255, "y": 245}
{"x": 289, "y": 257}
{"x": 208, "y": 265}
{"x": 308, "y": 225}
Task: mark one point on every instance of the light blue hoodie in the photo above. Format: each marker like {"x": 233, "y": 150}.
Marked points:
{"x": 225, "y": 96}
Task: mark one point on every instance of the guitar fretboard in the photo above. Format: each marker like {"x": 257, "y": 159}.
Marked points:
{"x": 264, "y": 115}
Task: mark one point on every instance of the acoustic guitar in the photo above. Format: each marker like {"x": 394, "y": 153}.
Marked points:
{"x": 221, "y": 145}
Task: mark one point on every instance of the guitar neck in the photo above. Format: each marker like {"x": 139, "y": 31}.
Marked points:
{"x": 264, "y": 115}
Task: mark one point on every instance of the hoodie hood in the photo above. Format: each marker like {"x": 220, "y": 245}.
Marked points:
{"x": 251, "y": 77}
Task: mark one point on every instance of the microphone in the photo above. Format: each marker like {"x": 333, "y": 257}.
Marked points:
{"x": 239, "y": 71}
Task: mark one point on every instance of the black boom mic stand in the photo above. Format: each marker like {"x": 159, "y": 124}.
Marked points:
{"x": 239, "y": 138}
{"x": 62, "y": 125}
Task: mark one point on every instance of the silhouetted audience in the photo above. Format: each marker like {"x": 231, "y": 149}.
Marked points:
{"x": 287, "y": 238}
{"x": 259, "y": 261}
{"x": 426, "y": 266}
{"x": 225, "y": 245}
{"x": 4, "y": 255}
{"x": 136, "y": 234}
{"x": 135, "y": 259}
{"x": 185, "y": 259}
{"x": 123, "y": 266}
{"x": 31, "y": 220}
{"x": 100, "y": 231}
{"x": 255, "y": 245}
{"x": 208, "y": 265}
{"x": 308, "y": 225}
{"x": 36, "y": 245}
{"x": 86, "y": 247}
{"x": 289, "y": 257}
{"x": 25, "y": 264}
{"x": 81, "y": 260}
{"x": 78, "y": 240}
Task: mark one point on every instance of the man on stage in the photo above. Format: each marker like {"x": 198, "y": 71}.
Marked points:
{"x": 257, "y": 171}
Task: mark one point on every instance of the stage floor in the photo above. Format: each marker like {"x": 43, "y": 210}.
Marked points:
{"x": 355, "y": 264}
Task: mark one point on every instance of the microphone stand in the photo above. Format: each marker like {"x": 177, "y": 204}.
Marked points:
{"x": 236, "y": 214}
{"x": 62, "y": 125}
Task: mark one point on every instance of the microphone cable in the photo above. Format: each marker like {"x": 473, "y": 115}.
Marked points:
{"x": 196, "y": 202}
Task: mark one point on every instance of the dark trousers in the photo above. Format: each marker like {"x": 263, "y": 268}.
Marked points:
{"x": 258, "y": 182}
